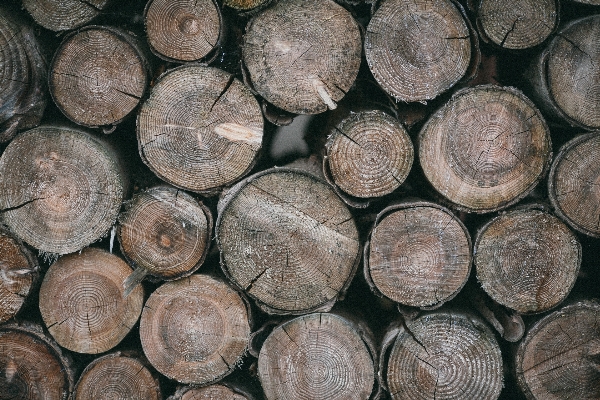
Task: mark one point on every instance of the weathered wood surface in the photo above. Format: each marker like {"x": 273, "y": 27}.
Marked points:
{"x": 64, "y": 15}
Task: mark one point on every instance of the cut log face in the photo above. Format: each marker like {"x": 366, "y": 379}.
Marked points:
{"x": 22, "y": 77}
{"x": 316, "y": 356}
{"x": 558, "y": 358}
{"x": 369, "y": 154}
{"x": 212, "y": 392}
{"x": 82, "y": 301}
{"x": 18, "y": 273}
{"x": 527, "y": 260}
{"x": 574, "y": 184}
{"x": 419, "y": 254}
{"x": 195, "y": 330}
{"x": 117, "y": 377}
{"x": 246, "y": 6}
{"x": 427, "y": 51}
{"x": 60, "y": 189}
{"x": 184, "y": 30}
{"x": 445, "y": 355}
{"x": 288, "y": 240}
{"x": 32, "y": 366}
{"x": 486, "y": 149}
{"x": 200, "y": 129}
{"x": 64, "y": 15}
{"x": 97, "y": 76}
{"x": 303, "y": 55}
{"x": 518, "y": 24}
{"x": 166, "y": 232}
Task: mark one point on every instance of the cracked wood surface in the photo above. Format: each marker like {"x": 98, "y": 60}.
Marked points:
{"x": 64, "y": 15}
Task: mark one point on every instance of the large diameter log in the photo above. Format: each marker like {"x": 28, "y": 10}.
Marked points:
{"x": 486, "y": 149}
{"x": 22, "y": 77}
{"x": 195, "y": 330}
{"x": 316, "y": 356}
{"x": 303, "y": 55}
{"x": 527, "y": 260}
{"x": 559, "y": 356}
{"x": 288, "y": 241}
{"x": 574, "y": 183}
{"x": 427, "y": 51}
{"x": 64, "y": 15}
{"x": 183, "y": 30}
{"x": 60, "y": 189}
{"x": 82, "y": 301}
{"x": 200, "y": 129}
{"x": 32, "y": 366}
{"x": 419, "y": 254}
{"x": 117, "y": 376}
{"x": 445, "y": 355}
{"x": 98, "y": 75}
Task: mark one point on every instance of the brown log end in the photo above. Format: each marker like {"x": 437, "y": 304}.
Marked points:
{"x": 64, "y": 15}
{"x": 212, "y": 392}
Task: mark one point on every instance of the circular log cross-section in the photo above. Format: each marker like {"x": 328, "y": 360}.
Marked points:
{"x": 97, "y": 76}
{"x": 486, "y": 149}
{"x": 246, "y": 7}
{"x": 427, "y": 51}
{"x": 22, "y": 77}
{"x": 64, "y": 15}
{"x": 559, "y": 358}
{"x": 303, "y": 55}
{"x": 419, "y": 254}
{"x": 18, "y": 273}
{"x": 212, "y": 392}
{"x": 518, "y": 24}
{"x": 82, "y": 302}
{"x": 60, "y": 189}
{"x": 445, "y": 356}
{"x": 527, "y": 260}
{"x": 574, "y": 184}
{"x": 316, "y": 356}
{"x": 200, "y": 129}
{"x": 166, "y": 232}
{"x": 115, "y": 376}
{"x": 195, "y": 330}
{"x": 288, "y": 240}
{"x": 369, "y": 154}
{"x": 183, "y": 30}
{"x": 32, "y": 365}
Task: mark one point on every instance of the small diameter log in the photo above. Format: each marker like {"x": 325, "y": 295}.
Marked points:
{"x": 445, "y": 355}
{"x": 200, "y": 129}
{"x": 247, "y": 7}
{"x": 427, "y": 51}
{"x": 115, "y": 376}
{"x": 32, "y": 366}
{"x": 64, "y": 15}
{"x": 22, "y": 77}
{"x": 316, "y": 356}
{"x": 212, "y": 392}
{"x": 559, "y": 358}
{"x": 183, "y": 30}
{"x": 517, "y": 25}
{"x": 83, "y": 304}
{"x": 527, "y": 260}
{"x": 195, "y": 330}
{"x": 419, "y": 254}
{"x": 165, "y": 232}
{"x": 486, "y": 149}
{"x": 60, "y": 189}
{"x": 369, "y": 154}
{"x": 288, "y": 241}
{"x": 98, "y": 75}
{"x": 574, "y": 184}
{"x": 18, "y": 274}
{"x": 303, "y": 55}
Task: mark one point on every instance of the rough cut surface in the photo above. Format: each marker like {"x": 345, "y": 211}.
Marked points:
{"x": 212, "y": 392}
{"x": 64, "y": 15}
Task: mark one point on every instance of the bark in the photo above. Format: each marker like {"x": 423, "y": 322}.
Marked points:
{"x": 527, "y": 260}
{"x": 82, "y": 301}
{"x": 195, "y": 330}
{"x": 288, "y": 241}
{"x": 64, "y": 15}
{"x": 60, "y": 188}
{"x": 310, "y": 61}
{"x": 98, "y": 76}
{"x": 200, "y": 129}
{"x": 497, "y": 151}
